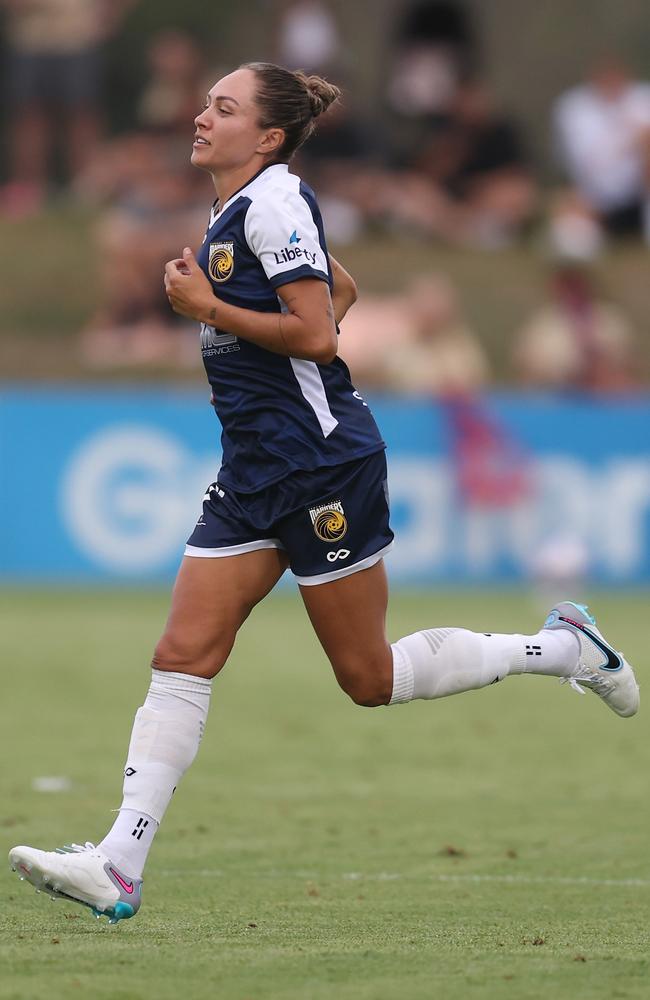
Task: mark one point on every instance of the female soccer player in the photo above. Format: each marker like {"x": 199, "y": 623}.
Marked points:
{"x": 302, "y": 485}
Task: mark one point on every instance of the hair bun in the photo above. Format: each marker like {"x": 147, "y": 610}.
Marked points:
{"x": 321, "y": 93}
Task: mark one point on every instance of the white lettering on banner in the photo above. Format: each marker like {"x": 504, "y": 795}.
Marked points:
{"x": 424, "y": 489}
{"x": 130, "y": 496}
{"x": 605, "y": 507}
{"x": 560, "y": 500}
{"x": 625, "y": 506}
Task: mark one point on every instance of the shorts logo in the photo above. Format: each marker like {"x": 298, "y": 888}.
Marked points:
{"x": 339, "y": 554}
{"x": 221, "y": 262}
{"x": 329, "y": 521}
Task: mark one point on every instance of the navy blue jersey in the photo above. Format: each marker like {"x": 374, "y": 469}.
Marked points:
{"x": 279, "y": 414}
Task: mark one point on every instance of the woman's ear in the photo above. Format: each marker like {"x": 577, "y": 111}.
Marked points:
{"x": 271, "y": 141}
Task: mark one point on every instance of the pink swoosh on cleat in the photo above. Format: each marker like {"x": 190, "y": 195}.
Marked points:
{"x": 127, "y": 886}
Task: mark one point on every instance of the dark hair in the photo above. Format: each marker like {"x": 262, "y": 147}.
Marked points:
{"x": 290, "y": 100}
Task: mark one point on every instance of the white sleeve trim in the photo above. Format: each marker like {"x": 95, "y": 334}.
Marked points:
{"x": 280, "y": 231}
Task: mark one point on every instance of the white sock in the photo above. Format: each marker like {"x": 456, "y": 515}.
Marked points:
{"x": 166, "y": 734}
{"x": 128, "y": 841}
{"x": 438, "y": 662}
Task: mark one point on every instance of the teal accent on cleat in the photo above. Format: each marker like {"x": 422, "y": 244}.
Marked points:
{"x": 121, "y": 911}
{"x": 585, "y": 611}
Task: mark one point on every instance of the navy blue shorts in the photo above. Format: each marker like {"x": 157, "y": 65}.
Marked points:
{"x": 331, "y": 522}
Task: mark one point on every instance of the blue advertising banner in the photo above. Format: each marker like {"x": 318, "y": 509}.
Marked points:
{"x": 105, "y": 485}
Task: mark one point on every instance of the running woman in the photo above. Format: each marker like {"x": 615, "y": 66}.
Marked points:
{"x": 302, "y": 485}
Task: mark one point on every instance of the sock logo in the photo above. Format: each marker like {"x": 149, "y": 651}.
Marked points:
{"x": 140, "y": 827}
{"x": 129, "y": 772}
{"x": 533, "y": 650}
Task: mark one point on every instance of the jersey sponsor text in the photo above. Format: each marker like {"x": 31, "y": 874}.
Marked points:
{"x": 287, "y": 254}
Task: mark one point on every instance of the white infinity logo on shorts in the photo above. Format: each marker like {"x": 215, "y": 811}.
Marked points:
{"x": 339, "y": 554}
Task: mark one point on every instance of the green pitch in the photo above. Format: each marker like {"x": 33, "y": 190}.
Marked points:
{"x": 492, "y": 845}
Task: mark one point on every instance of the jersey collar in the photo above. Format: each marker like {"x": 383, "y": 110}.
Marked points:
{"x": 216, "y": 211}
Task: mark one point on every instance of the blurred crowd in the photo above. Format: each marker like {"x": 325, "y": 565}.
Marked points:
{"x": 442, "y": 161}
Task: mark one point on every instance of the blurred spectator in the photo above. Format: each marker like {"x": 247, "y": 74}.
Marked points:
{"x": 176, "y": 86}
{"x": 603, "y": 134}
{"x": 307, "y": 36}
{"x": 432, "y": 51}
{"x": 577, "y": 340}
{"x": 435, "y": 49}
{"x": 574, "y": 234}
{"x": 169, "y": 101}
{"x": 340, "y": 163}
{"x": 159, "y": 206}
{"x": 155, "y": 203}
{"x": 442, "y": 357}
{"x": 375, "y": 326}
{"x": 416, "y": 343}
{"x": 470, "y": 183}
{"x": 54, "y": 65}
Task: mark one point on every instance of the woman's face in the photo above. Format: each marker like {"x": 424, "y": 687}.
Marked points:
{"x": 228, "y": 135}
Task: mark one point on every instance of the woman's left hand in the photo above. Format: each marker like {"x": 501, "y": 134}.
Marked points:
{"x": 188, "y": 290}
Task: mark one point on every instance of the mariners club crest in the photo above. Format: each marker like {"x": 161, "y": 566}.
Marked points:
{"x": 221, "y": 262}
{"x": 329, "y": 521}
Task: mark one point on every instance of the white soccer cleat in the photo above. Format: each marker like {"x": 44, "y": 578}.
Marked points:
{"x": 82, "y": 874}
{"x": 600, "y": 667}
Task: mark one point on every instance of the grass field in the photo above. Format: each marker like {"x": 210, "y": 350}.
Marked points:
{"x": 493, "y": 845}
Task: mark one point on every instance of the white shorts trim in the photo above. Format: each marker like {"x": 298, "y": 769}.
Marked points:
{"x": 233, "y": 550}
{"x": 337, "y": 574}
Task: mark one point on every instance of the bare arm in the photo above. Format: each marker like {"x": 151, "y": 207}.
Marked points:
{"x": 306, "y": 330}
{"x": 344, "y": 292}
